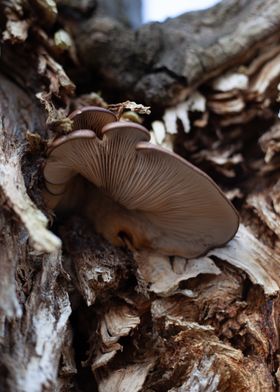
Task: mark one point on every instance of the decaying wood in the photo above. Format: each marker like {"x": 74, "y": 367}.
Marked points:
{"x": 183, "y": 51}
{"x": 77, "y": 314}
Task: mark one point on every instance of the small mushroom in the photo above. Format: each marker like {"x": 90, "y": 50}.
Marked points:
{"x": 140, "y": 194}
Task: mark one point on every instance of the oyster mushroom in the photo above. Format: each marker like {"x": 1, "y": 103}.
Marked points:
{"x": 140, "y": 193}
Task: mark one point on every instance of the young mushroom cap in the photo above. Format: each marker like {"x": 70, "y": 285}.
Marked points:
{"x": 92, "y": 117}
{"x": 141, "y": 193}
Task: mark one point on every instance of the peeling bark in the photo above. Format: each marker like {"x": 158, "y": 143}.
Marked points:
{"x": 77, "y": 314}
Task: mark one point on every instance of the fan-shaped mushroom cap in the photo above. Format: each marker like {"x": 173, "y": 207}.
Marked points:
{"x": 153, "y": 197}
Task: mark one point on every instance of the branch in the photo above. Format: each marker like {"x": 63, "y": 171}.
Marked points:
{"x": 162, "y": 62}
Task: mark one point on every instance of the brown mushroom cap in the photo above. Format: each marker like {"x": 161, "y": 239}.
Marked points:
{"x": 151, "y": 196}
{"x": 91, "y": 117}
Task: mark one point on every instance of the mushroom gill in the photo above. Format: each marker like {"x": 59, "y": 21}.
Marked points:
{"x": 140, "y": 193}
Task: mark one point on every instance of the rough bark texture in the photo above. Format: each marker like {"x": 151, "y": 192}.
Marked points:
{"x": 161, "y": 62}
{"x": 77, "y": 314}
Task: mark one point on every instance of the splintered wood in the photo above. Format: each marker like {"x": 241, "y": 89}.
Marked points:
{"x": 76, "y": 313}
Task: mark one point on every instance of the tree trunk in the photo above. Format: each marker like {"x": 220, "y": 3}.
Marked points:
{"x": 76, "y": 313}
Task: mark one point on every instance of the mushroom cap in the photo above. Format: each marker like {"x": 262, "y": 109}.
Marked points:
{"x": 155, "y": 198}
{"x": 91, "y": 117}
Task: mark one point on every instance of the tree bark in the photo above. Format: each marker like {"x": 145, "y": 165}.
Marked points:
{"x": 161, "y": 62}
{"x": 77, "y": 314}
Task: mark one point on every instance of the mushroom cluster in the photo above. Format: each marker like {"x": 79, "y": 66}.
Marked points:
{"x": 139, "y": 194}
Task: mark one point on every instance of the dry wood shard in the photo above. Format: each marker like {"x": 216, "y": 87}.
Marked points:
{"x": 118, "y": 321}
{"x": 128, "y": 379}
{"x": 259, "y": 261}
{"x": 165, "y": 276}
{"x": 14, "y": 191}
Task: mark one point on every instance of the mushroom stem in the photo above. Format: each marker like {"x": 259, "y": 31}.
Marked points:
{"x": 116, "y": 223}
